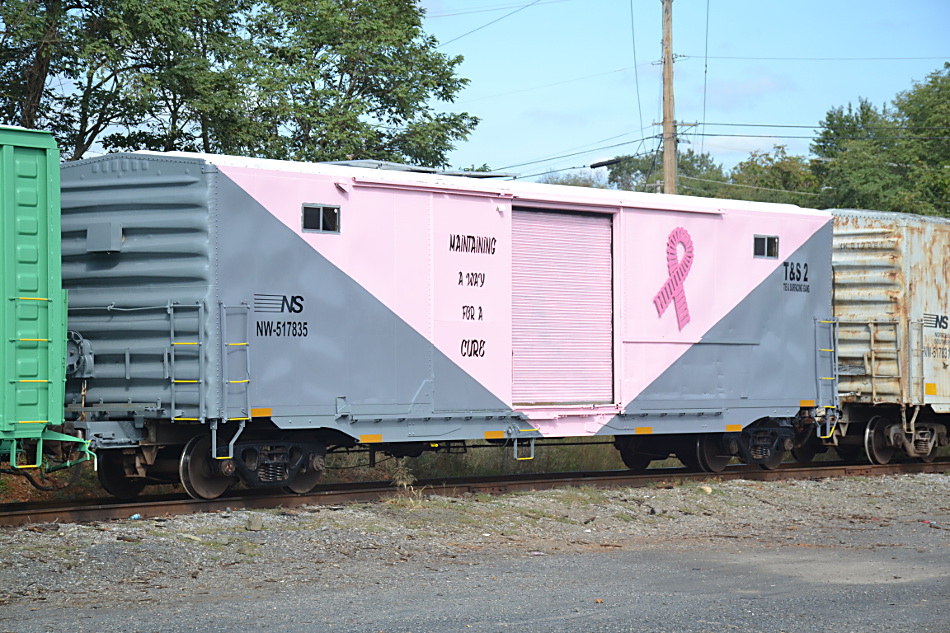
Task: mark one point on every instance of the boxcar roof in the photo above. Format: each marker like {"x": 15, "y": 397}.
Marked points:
{"x": 521, "y": 192}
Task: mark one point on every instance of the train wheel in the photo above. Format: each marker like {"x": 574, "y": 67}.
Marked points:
{"x": 805, "y": 453}
{"x": 875, "y": 442}
{"x": 305, "y": 480}
{"x": 929, "y": 457}
{"x": 708, "y": 453}
{"x": 197, "y": 472}
{"x": 112, "y": 476}
{"x": 848, "y": 452}
{"x": 687, "y": 455}
{"x": 632, "y": 459}
{"x": 776, "y": 455}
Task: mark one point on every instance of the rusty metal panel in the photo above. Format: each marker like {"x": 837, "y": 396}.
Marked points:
{"x": 562, "y": 308}
{"x": 890, "y": 294}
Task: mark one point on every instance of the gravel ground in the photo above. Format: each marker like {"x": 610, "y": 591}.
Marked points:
{"x": 854, "y": 554}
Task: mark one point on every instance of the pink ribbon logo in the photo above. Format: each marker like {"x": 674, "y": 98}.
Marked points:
{"x": 672, "y": 290}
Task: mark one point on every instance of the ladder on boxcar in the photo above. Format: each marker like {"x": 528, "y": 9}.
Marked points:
{"x": 235, "y": 362}
{"x": 235, "y": 373}
{"x": 884, "y": 349}
{"x": 186, "y": 344}
{"x": 826, "y": 372}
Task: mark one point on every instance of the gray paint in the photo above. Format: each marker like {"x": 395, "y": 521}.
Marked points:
{"x": 356, "y": 350}
{"x": 119, "y": 298}
{"x": 758, "y": 361}
{"x": 192, "y": 238}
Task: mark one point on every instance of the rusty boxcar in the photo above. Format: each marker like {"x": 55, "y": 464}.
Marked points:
{"x": 892, "y": 304}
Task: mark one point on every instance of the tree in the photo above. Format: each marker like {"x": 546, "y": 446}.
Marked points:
{"x": 576, "y": 178}
{"x": 45, "y": 47}
{"x": 842, "y": 125}
{"x": 303, "y": 80}
{"x": 897, "y": 159}
{"x": 645, "y": 173}
{"x": 774, "y": 176}
{"x": 188, "y": 84}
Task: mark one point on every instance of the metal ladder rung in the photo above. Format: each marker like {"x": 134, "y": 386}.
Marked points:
{"x": 236, "y": 312}
{"x": 197, "y": 347}
{"x": 826, "y": 339}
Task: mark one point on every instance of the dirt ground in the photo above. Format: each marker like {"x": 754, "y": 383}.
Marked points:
{"x": 854, "y": 554}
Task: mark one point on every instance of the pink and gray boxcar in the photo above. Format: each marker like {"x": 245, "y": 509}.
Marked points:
{"x": 233, "y": 317}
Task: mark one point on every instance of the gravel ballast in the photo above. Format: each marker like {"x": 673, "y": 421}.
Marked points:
{"x": 850, "y": 554}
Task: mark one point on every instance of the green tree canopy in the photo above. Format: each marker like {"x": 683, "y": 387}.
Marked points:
{"x": 774, "y": 176}
{"x": 897, "y": 159}
{"x": 576, "y": 178}
{"x": 645, "y": 173}
{"x": 303, "y": 79}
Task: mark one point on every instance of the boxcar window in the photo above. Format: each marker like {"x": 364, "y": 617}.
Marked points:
{"x": 765, "y": 246}
{"x": 317, "y": 217}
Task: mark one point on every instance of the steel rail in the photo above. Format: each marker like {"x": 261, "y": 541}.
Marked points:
{"x": 16, "y": 514}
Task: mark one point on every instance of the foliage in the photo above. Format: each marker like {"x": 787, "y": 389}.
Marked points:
{"x": 842, "y": 125}
{"x": 645, "y": 173}
{"x": 773, "y": 177}
{"x": 892, "y": 160}
{"x": 576, "y": 178}
{"x": 341, "y": 79}
{"x": 304, "y": 80}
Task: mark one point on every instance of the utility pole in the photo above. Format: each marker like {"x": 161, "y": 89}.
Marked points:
{"x": 669, "y": 124}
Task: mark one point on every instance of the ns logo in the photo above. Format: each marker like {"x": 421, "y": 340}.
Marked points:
{"x": 938, "y": 321}
{"x": 292, "y": 304}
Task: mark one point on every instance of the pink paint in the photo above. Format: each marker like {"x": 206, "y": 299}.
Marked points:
{"x": 396, "y": 241}
{"x": 397, "y": 231}
{"x": 673, "y": 290}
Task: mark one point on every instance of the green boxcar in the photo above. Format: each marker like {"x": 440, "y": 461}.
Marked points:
{"x": 33, "y": 345}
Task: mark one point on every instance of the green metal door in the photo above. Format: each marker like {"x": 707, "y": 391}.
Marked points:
{"x": 33, "y": 312}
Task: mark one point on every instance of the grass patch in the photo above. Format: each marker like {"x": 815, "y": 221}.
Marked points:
{"x": 481, "y": 459}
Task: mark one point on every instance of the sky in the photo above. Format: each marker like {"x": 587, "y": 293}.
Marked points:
{"x": 558, "y": 84}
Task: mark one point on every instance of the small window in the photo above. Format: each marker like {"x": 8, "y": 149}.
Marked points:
{"x": 766, "y": 246}
{"x": 322, "y": 218}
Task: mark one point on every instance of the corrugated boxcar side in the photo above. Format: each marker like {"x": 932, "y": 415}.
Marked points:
{"x": 139, "y": 264}
{"x": 891, "y": 279}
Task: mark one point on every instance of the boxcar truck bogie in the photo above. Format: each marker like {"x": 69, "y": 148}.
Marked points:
{"x": 241, "y": 317}
{"x": 33, "y": 438}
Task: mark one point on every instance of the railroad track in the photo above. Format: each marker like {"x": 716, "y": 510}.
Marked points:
{"x": 15, "y": 514}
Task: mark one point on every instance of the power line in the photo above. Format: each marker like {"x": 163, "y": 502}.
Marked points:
{"x": 735, "y": 184}
{"x": 603, "y": 140}
{"x": 596, "y": 149}
{"x": 869, "y": 127}
{"x": 555, "y": 171}
{"x": 636, "y": 74}
{"x": 551, "y": 85}
{"x": 500, "y": 7}
{"x": 826, "y": 59}
{"x": 522, "y": 8}
{"x": 839, "y": 138}
{"x": 702, "y": 145}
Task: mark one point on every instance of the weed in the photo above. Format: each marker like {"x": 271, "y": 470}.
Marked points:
{"x": 402, "y": 476}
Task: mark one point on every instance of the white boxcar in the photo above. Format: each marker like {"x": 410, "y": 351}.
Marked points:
{"x": 891, "y": 277}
